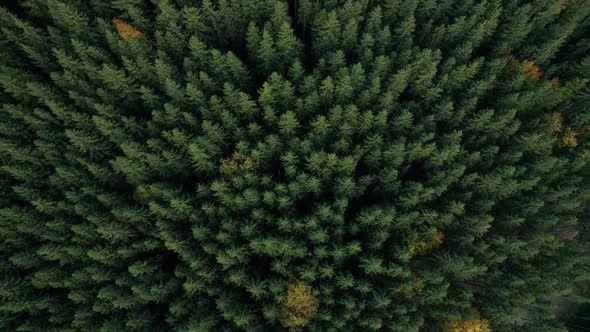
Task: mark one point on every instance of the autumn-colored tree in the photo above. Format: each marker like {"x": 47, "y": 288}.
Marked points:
{"x": 126, "y": 31}
{"x": 555, "y": 84}
{"x": 272, "y": 165}
{"x": 530, "y": 70}
{"x": 566, "y": 232}
{"x": 425, "y": 246}
{"x": 418, "y": 285}
{"x": 474, "y": 324}
{"x": 527, "y": 68}
{"x": 301, "y": 306}
{"x": 570, "y": 138}
{"x": 238, "y": 162}
{"x": 556, "y": 119}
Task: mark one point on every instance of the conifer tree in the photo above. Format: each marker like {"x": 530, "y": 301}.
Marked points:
{"x": 282, "y": 165}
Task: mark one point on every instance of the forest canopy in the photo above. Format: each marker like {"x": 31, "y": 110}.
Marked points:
{"x": 271, "y": 165}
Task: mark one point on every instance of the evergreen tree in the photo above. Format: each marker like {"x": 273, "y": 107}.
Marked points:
{"x": 242, "y": 165}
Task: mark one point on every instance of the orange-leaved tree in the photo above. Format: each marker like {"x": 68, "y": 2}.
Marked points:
{"x": 474, "y": 324}
{"x": 126, "y": 31}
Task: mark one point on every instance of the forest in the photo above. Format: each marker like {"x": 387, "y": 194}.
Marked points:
{"x": 295, "y": 165}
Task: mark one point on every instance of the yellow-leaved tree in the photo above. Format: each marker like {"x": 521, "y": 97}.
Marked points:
{"x": 237, "y": 163}
{"x": 301, "y": 306}
{"x": 474, "y": 324}
{"x": 570, "y": 138}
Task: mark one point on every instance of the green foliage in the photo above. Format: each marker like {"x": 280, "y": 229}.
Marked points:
{"x": 304, "y": 165}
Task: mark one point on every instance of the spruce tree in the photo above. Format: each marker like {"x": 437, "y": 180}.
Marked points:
{"x": 242, "y": 165}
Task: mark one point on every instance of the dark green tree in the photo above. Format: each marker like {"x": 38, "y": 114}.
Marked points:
{"x": 241, "y": 165}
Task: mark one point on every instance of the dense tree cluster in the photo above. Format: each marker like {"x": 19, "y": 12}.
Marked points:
{"x": 334, "y": 165}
